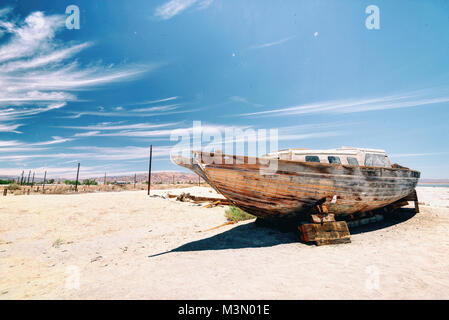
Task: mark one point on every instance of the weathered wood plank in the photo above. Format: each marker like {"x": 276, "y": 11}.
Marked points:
{"x": 320, "y": 218}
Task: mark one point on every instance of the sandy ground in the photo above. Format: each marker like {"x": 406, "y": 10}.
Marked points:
{"x": 128, "y": 245}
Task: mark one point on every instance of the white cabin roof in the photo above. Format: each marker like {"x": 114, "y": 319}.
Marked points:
{"x": 342, "y": 150}
{"x": 343, "y": 155}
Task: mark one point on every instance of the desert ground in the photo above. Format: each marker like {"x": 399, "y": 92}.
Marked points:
{"x": 126, "y": 245}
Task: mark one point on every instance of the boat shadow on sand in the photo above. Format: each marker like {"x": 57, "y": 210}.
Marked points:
{"x": 252, "y": 235}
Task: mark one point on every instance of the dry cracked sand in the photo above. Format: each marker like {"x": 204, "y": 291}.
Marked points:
{"x": 126, "y": 245}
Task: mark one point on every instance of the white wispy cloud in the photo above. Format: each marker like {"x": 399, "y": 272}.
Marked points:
{"x": 5, "y": 11}
{"x": 135, "y": 113}
{"x": 5, "y": 127}
{"x": 167, "y": 107}
{"x": 273, "y": 43}
{"x": 86, "y": 134}
{"x": 35, "y": 34}
{"x": 406, "y": 100}
{"x": 244, "y": 100}
{"x": 174, "y": 7}
{"x": 108, "y": 126}
{"x": 285, "y": 133}
{"x": 18, "y": 113}
{"x": 141, "y": 103}
{"x": 9, "y": 143}
{"x": 154, "y": 101}
{"x": 55, "y": 140}
{"x": 121, "y": 153}
{"x": 38, "y": 72}
{"x": 7, "y": 146}
{"x": 43, "y": 60}
{"x": 186, "y": 131}
{"x": 91, "y": 153}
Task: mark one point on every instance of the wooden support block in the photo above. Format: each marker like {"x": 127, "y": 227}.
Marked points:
{"x": 411, "y": 197}
{"x": 325, "y": 233}
{"x": 322, "y": 209}
{"x": 398, "y": 204}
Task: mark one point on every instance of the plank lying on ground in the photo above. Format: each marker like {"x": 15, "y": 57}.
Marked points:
{"x": 222, "y": 202}
{"x": 188, "y": 196}
{"x": 221, "y": 225}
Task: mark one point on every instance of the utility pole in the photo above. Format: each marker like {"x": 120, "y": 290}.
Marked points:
{"x": 104, "y": 182}
{"x": 21, "y": 179}
{"x": 43, "y": 185}
{"x": 149, "y": 169}
{"x": 135, "y": 178}
{"x": 77, "y": 175}
{"x": 28, "y": 180}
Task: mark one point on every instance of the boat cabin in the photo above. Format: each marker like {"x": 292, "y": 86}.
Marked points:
{"x": 344, "y": 155}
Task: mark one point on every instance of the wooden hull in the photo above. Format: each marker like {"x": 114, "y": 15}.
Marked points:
{"x": 293, "y": 188}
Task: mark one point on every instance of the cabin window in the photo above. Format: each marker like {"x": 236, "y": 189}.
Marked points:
{"x": 376, "y": 160}
{"x": 352, "y": 161}
{"x": 312, "y": 159}
{"x": 333, "y": 159}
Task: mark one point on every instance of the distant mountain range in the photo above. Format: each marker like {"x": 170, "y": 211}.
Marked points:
{"x": 156, "y": 177}
{"x": 164, "y": 177}
{"x": 181, "y": 177}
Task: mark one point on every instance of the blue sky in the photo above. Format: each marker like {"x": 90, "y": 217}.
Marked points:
{"x": 137, "y": 70}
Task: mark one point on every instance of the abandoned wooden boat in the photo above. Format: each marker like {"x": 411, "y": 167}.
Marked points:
{"x": 290, "y": 183}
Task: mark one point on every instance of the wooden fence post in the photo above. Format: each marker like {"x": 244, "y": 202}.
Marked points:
{"x": 77, "y": 175}
{"x": 43, "y": 185}
{"x": 149, "y": 170}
